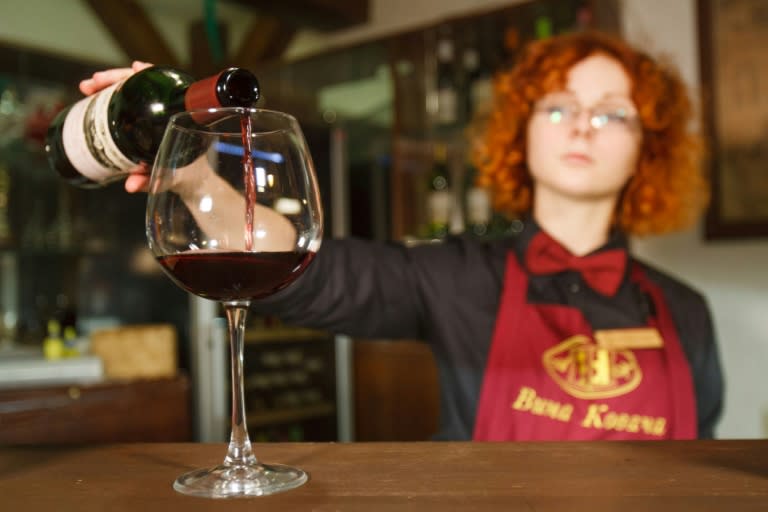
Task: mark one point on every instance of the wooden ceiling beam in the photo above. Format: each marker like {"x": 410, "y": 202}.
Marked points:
{"x": 266, "y": 39}
{"x": 202, "y": 61}
{"x": 317, "y": 14}
{"x": 133, "y": 31}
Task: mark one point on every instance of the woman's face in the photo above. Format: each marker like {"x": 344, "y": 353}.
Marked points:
{"x": 583, "y": 142}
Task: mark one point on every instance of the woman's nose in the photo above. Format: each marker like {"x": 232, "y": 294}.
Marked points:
{"x": 581, "y": 124}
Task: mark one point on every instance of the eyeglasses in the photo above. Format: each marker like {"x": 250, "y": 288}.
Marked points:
{"x": 604, "y": 116}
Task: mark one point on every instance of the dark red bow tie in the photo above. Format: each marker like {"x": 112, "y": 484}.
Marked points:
{"x": 602, "y": 271}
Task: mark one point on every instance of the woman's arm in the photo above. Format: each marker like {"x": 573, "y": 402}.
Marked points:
{"x": 224, "y": 215}
{"x": 355, "y": 287}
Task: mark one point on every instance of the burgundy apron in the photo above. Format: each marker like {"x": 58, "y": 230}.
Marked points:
{"x": 546, "y": 378}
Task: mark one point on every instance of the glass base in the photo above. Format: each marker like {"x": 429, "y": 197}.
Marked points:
{"x": 240, "y": 481}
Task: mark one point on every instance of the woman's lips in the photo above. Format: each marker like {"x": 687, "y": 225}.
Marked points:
{"x": 576, "y": 158}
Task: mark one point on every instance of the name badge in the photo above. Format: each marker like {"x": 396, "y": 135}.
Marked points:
{"x": 629, "y": 339}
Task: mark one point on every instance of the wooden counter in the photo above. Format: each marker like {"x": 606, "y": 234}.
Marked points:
{"x": 607, "y": 476}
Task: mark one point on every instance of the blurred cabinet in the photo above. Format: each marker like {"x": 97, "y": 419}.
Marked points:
{"x": 396, "y": 391}
{"x": 116, "y": 412}
{"x": 290, "y": 384}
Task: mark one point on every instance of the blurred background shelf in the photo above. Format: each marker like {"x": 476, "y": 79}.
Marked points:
{"x": 262, "y": 419}
{"x": 284, "y": 334}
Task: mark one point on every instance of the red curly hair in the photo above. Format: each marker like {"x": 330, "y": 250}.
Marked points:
{"x": 668, "y": 190}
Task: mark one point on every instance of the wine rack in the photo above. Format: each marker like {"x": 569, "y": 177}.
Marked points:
{"x": 289, "y": 384}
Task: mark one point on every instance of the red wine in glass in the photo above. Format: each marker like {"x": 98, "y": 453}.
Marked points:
{"x": 228, "y": 276}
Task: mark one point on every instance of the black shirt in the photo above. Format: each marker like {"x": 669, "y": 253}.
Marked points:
{"x": 448, "y": 295}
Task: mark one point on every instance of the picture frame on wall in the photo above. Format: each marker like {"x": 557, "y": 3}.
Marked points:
{"x": 733, "y": 35}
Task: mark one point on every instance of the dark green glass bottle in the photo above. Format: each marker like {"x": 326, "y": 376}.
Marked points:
{"x": 439, "y": 198}
{"x": 100, "y": 137}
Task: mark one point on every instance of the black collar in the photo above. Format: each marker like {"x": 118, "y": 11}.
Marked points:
{"x": 616, "y": 238}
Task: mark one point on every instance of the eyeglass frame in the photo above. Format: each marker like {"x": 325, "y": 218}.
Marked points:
{"x": 597, "y": 121}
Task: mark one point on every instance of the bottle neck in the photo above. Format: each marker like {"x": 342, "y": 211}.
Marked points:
{"x": 233, "y": 87}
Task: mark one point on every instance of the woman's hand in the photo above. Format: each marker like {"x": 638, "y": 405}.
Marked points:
{"x": 138, "y": 179}
{"x": 102, "y": 79}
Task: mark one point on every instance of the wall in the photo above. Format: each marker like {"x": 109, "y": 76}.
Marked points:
{"x": 732, "y": 274}
{"x": 66, "y": 26}
{"x": 392, "y": 16}
{"x": 69, "y": 27}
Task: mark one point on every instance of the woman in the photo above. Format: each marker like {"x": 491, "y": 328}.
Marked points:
{"x": 556, "y": 333}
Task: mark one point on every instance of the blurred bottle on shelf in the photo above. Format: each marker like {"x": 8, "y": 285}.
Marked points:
{"x": 34, "y": 228}
{"x": 296, "y": 433}
{"x": 471, "y": 74}
{"x": 53, "y": 344}
{"x": 62, "y": 228}
{"x": 543, "y": 26}
{"x": 584, "y": 17}
{"x": 11, "y": 113}
{"x": 74, "y": 346}
{"x": 482, "y": 221}
{"x": 6, "y": 235}
{"x": 439, "y": 198}
{"x": 477, "y": 207}
{"x": 9, "y": 299}
{"x": 502, "y": 226}
{"x": 65, "y": 313}
{"x": 445, "y": 74}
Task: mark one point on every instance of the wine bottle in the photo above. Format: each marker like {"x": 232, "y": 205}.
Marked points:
{"x": 5, "y": 217}
{"x": 447, "y": 99}
{"x": 439, "y": 198}
{"x": 477, "y": 205}
{"x": 99, "y": 138}
{"x": 470, "y": 61}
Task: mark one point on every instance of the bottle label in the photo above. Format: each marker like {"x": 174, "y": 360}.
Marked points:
{"x": 87, "y": 141}
{"x": 447, "y": 105}
{"x": 478, "y": 206}
{"x": 439, "y": 205}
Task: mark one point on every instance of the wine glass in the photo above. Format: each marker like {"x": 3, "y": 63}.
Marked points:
{"x": 234, "y": 214}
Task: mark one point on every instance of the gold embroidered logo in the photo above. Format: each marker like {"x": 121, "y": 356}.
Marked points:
{"x": 584, "y": 370}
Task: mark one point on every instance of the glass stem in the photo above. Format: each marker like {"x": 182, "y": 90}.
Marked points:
{"x": 239, "y": 452}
